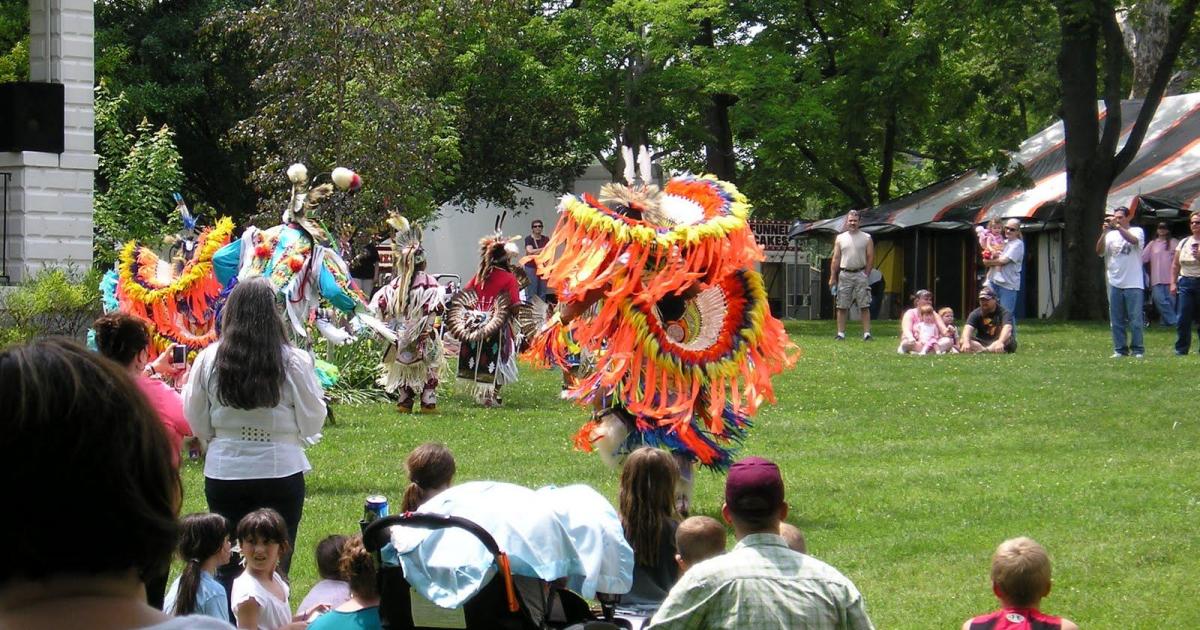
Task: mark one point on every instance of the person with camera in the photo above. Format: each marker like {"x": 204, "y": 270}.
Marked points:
{"x": 1121, "y": 247}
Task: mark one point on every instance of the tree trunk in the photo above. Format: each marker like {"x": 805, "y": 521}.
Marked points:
{"x": 718, "y": 143}
{"x": 1087, "y": 189}
{"x": 1145, "y": 28}
{"x": 1084, "y": 292}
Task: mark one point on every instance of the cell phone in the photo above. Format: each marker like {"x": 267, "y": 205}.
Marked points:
{"x": 179, "y": 355}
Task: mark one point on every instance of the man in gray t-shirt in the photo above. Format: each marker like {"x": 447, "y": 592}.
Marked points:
{"x": 853, "y": 259}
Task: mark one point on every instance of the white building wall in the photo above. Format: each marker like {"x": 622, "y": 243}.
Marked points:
{"x": 452, "y": 242}
{"x": 50, "y": 195}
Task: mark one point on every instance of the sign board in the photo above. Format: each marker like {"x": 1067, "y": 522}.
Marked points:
{"x": 773, "y": 235}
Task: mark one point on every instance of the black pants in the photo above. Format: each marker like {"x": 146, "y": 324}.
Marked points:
{"x": 234, "y": 499}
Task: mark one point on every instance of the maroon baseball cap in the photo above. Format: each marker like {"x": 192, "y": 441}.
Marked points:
{"x": 754, "y": 487}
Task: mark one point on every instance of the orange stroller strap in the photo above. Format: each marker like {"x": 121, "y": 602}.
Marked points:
{"x": 502, "y": 560}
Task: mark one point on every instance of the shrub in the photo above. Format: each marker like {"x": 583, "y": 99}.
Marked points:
{"x": 52, "y": 302}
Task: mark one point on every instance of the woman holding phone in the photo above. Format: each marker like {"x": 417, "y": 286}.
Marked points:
{"x": 256, "y": 398}
{"x": 126, "y": 340}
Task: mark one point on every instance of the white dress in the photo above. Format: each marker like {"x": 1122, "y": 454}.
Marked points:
{"x": 272, "y": 612}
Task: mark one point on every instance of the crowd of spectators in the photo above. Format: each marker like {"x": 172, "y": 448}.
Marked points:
{"x": 122, "y": 439}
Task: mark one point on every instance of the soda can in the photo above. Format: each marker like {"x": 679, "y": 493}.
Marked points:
{"x": 376, "y": 507}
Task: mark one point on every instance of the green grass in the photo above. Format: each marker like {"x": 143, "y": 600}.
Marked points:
{"x": 904, "y": 472}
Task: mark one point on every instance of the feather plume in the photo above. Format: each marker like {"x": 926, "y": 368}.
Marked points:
{"x": 644, "y": 165}
{"x": 627, "y": 158}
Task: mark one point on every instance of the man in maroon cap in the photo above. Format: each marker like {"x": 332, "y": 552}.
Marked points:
{"x": 761, "y": 584}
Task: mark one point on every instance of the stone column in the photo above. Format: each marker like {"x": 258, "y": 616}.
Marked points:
{"x": 49, "y": 194}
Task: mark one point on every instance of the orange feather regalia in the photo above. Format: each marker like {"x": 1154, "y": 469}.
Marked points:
{"x": 179, "y": 305}
{"x": 682, "y": 338}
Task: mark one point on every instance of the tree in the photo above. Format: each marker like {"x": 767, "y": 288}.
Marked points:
{"x": 137, "y": 173}
{"x": 14, "y": 40}
{"x": 1091, "y": 43}
{"x": 177, "y": 66}
{"x": 848, "y": 103}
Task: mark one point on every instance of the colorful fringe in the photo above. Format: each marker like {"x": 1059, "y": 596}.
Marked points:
{"x": 181, "y": 310}
{"x": 692, "y": 388}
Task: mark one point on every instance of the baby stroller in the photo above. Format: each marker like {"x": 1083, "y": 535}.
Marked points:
{"x": 496, "y": 598}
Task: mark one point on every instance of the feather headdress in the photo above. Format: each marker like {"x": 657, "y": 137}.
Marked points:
{"x": 304, "y": 199}
{"x": 407, "y": 257}
{"x": 494, "y": 250}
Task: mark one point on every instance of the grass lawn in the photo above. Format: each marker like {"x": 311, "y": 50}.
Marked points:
{"x": 904, "y": 472}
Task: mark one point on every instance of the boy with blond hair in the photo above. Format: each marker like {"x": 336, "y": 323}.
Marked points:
{"x": 794, "y": 537}
{"x": 698, "y": 538}
{"x": 1020, "y": 579}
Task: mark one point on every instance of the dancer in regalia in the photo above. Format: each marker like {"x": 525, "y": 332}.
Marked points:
{"x": 658, "y": 288}
{"x": 483, "y": 318}
{"x": 300, "y": 261}
{"x": 411, "y": 304}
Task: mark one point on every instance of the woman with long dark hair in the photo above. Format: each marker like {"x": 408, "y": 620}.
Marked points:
{"x": 258, "y": 401}
{"x": 648, "y": 516}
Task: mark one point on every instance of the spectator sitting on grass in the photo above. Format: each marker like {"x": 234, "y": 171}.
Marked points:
{"x": 908, "y": 322}
{"x": 646, "y": 504}
{"x": 989, "y": 328}
{"x": 761, "y": 584}
{"x": 361, "y": 611}
{"x": 698, "y": 538}
{"x": 1020, "y": 579}
{"x": 75, "y": 423}
{"x": 794, "y": 537}
{"x": 331, "y": 589}
{"x": 431, "y": 470}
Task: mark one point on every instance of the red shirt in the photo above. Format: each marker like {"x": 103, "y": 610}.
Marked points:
{"x": 497, "y": 282}
{"x": 1016, "y": 619}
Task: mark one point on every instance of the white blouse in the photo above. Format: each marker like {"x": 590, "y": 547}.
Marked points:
{"x": 262, "y": 443}
{"x": 273, "y": 613}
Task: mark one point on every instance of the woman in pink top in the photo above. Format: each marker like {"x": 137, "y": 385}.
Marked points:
{"x": 908, "y": 322}
{"x": 126, "y": 340}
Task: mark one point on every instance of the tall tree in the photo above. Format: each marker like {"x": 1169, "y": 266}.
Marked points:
{"x": 178, "y": 67}
{"x": 1091, "y": 64}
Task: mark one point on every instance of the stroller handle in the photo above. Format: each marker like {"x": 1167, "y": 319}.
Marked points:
{"x": 376, "y": 535}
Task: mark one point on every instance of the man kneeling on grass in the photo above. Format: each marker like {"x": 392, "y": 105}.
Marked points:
{"x": 761, "y": 584}
{"x": 989, "y": 328}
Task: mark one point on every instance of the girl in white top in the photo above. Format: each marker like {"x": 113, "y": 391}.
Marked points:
{"x": 260, "y": 597}
{"x": 258, "y": 401}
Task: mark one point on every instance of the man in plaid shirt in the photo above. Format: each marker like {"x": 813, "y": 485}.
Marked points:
{"x": 762, "y": 583}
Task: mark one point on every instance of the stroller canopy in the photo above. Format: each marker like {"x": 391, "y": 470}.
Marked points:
{"x": 571, "y": 532}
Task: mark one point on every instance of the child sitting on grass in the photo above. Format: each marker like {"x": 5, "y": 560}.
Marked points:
{"x": 259, "y": 595}
{"x": 332, "y": 589}
{"x": 949, "y": 340}
{"x": 1020, "y": 579}
{"x": 203, "y": 546}
{"x": 794, "y": 537}
{"x": 698, "y": 538}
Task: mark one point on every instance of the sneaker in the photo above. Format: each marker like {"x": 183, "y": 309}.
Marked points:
{"x": 900, "y": 348}
{"x": 840, "y": 337}
{"x": 867, "y": 337}
{"x": 1139, "y": 355}
{"x": 1117, "y": 355}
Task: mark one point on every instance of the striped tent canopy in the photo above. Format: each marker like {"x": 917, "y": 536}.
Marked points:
{"x": 1163, "y": 180}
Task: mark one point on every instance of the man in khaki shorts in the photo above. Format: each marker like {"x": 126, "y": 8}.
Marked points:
{"x": 853, "y": 259}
